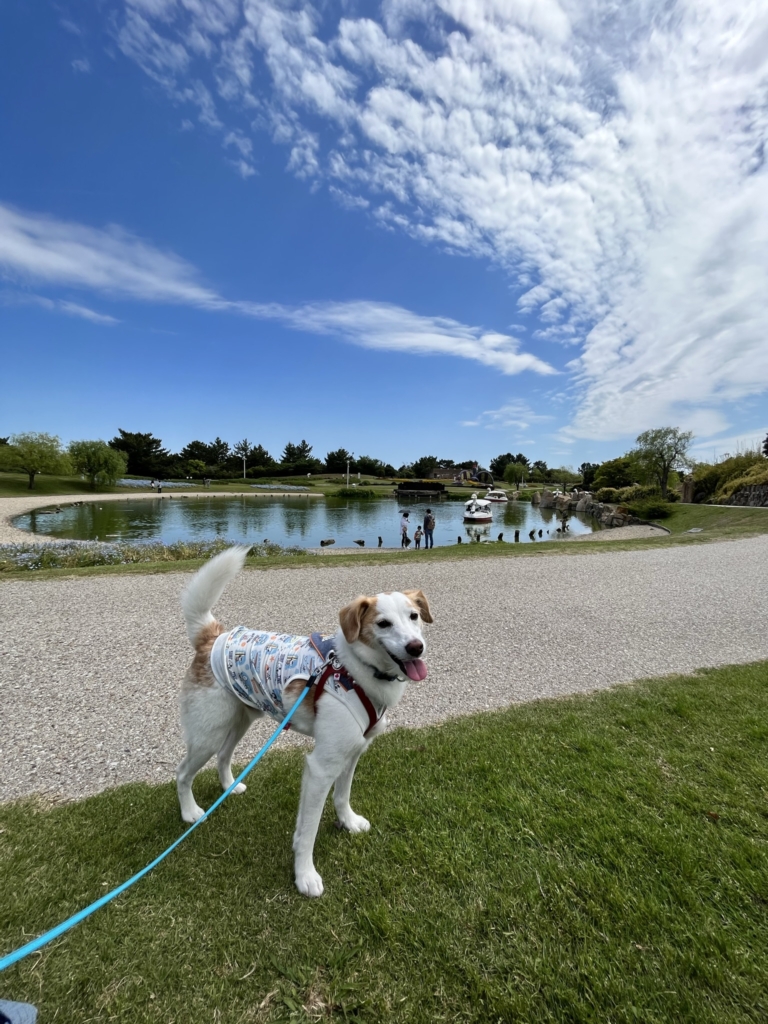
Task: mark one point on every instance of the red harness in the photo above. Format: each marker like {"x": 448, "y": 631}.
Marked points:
{"x": 333, "y": 668}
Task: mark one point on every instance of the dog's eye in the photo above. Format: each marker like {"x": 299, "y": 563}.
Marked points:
{"x": 384, "y": 624}
{"x": 414, "y": 616}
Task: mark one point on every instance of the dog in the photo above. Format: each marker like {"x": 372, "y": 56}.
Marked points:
{"x": 237, "y": 676}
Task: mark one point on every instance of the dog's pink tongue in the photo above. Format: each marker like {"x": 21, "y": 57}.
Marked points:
{"x": 416, "y": 670}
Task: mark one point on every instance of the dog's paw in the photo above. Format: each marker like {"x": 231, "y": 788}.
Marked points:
{"x": 192, "y": 815}
{"x": 240, "y": 788}
{"x": 355, "y": 823}
{"x": 310, "y": 883}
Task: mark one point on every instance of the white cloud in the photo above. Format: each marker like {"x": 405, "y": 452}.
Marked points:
{"x": 516, "y": 415}
{"x": 70, "y": 26}
{"x": 610, "y": 157}
{"x": 81, "y": 65}
{"x": 35, "y": 248}
{"x": 379, "y": 325}
{"x": 17, "y": 298}
{"x": 75, "y": 309}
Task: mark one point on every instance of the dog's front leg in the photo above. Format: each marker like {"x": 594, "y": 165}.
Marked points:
{"x": 322, "y": 766}
{"x": 315, "y": 784}
{"x": 347, "y": 818}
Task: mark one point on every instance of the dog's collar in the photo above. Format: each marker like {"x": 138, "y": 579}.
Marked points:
{"x": 380, "y": 675}
{"x": 324, "y": 647}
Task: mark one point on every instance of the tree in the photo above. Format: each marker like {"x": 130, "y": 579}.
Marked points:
{"x": 500, "y": 463}
{"x": 540, "y": 465}
{"x": 260, "y": 457}
{"x": 765, "y": 446}
{"x": 425, "y": 467}
{"x": 336, "y": 462}
{"x": 521, "y": 459}
{"x": 371, "y": 467}
{"x": 34, "y": 453}
{"x": 242, "y": 450}
{"x": 588, "y": 470}
{"x": 564, "y": 475}
{"x": 101, "y": 464}
{"x": 212, "y": 454}
{"x": 514, "y": 473}
{"x": 146, "y": 455}
{"x": 294, "y": 454}
{"x": 614, "y": 473}
{"x": 661, "y": 450}
{"x": 220, "y": 450}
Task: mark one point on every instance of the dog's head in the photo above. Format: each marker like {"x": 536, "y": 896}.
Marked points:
{"x": 389, "y": 625}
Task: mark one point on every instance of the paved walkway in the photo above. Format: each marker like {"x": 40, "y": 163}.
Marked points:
{"x": 89, "y": 667}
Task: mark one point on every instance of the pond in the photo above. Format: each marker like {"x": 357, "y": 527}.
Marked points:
{"x": 290, "y": 522}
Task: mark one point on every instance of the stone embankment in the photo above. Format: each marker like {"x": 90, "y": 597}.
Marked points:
{"x": 582, "y": 501}
{"x": 755, "y": 496}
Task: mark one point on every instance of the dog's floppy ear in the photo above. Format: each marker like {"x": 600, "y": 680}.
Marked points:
{"x": 351, "y": 618}
{"x": 418, "y": 598}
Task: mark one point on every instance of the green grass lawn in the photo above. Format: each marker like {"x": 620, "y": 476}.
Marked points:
{"x": 16, "y": 485}
{"x": 599, "y": 858}
{"x": 722, "y": 521}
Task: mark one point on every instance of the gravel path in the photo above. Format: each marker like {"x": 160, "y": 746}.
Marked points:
{"x": 90, "y": 666}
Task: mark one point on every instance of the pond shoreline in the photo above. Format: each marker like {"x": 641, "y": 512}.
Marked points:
{"x": 288, "y": 521}
{"x": 11, "y": 508}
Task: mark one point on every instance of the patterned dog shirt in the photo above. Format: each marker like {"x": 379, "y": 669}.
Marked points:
{"x": 257, "y": 666}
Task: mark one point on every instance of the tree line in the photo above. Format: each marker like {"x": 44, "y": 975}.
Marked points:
{"x": 147, "y": 457}
{"x": 657, "y": 454}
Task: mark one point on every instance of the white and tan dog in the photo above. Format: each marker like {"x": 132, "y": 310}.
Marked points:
{"x": 377, "y": 648}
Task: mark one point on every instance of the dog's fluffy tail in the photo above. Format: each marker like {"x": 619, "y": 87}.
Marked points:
{"x": 207, "y": 586}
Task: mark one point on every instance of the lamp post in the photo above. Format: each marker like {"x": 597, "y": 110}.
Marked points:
{"x": 347, "y": 472}
{"x": 243, "y": 467}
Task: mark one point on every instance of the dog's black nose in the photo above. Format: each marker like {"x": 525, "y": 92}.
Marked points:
{"x": 414, "y": 648}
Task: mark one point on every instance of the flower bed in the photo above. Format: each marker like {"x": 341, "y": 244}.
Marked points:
{"x": 75, "y": 554}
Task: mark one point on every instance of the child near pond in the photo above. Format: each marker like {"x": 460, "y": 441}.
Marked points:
{"x": 417, "y": 536}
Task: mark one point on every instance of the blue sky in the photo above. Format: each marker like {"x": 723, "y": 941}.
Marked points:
{"x": 449, "y": 227}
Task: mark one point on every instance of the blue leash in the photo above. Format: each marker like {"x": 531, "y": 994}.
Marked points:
{"x": 81, "y": 915}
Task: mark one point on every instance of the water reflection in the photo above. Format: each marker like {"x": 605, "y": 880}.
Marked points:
{"x": 302, "y": 522}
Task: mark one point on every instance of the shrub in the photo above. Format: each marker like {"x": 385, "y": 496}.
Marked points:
{"x": 73, "y": 554}
{"x": 640, "y": 493}
{"x": 610, "y": 494}
{"x": 354, "y": 492}
{"x": 717, "y": 482}
{"x": 756, "y": 475}
{"x": 649, "y": 508}
{"x": 525, "y": 495}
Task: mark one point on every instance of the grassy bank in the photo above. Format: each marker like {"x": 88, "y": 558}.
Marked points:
{"x": 16, "y": 485}
{"x": 716, "y": 521}
{"x": 598, "y": 858}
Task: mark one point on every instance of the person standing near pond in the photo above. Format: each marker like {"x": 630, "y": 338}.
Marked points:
{"x": 404, "y": 524}
{"x": 429, "y": 529}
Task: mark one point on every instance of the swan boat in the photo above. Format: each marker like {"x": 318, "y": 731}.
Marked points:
{"x": 477, "y": 510}
{"x": 496, "y": 494}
